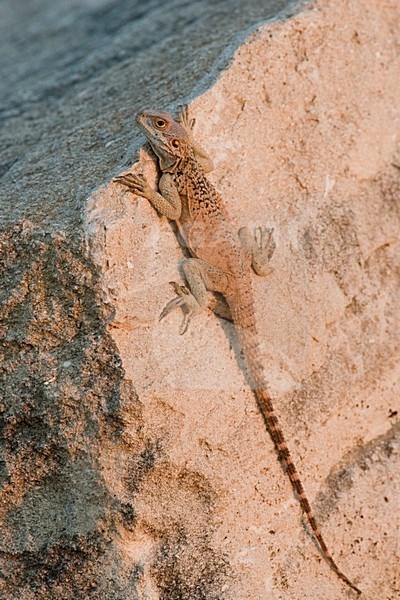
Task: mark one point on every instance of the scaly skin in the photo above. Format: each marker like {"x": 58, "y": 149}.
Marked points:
{"x": 221, "y": 263}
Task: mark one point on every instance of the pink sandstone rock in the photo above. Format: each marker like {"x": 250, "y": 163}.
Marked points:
{"x": 134, "y": 464}
{"x": 303, "y": 128}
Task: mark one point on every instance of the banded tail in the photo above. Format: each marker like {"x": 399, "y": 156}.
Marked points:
{"x": 244, "y": 318}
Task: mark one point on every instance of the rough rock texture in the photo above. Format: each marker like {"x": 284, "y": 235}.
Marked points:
{"x": 135, "y": 463}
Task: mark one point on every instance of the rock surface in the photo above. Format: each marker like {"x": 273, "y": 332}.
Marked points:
{"x": 135, "y": 463}
{"x": 75, "y": 72}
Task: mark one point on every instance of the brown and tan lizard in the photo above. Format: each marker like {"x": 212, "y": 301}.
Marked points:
{"x": 221, "y": 263}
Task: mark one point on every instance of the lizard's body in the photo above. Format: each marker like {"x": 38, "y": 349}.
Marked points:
{"x": 221, "y": 263}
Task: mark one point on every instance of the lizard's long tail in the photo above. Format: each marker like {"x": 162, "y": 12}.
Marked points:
{"x": 244, "y": 319}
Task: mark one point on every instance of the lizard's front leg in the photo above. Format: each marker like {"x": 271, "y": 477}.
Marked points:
{"x": 261, "y": 245}
{"x": 201, "y": 276}
{"x": 167, "y": 201}
{"x": 202, "y": 157}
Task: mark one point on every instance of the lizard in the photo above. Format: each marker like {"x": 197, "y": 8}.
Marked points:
{"x": 221, "y": 261}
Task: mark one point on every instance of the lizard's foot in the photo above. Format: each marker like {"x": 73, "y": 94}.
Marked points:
{"x": 185, "y": 120}
{"x": 188, "y": 303}
{"x": 137, "y": 184}
{"x": 261, "y": 245}
{"x": 201, "y": 155}
{"x": 264, "y": 248}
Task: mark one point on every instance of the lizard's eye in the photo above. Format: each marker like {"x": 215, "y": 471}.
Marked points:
{"x": 160, "y": 123}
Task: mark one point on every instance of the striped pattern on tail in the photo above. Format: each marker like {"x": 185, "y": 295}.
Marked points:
{"x": 275, "y": 431}
{"x": 243, "y": 313}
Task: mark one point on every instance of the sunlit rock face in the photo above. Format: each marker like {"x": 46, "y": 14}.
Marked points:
{"x": 135, "y": 463}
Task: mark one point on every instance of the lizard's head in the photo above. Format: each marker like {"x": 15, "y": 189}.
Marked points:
{"x": 168, "y": 138}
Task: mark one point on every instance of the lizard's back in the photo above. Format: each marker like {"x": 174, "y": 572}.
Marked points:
{"x": 205, "y": 224}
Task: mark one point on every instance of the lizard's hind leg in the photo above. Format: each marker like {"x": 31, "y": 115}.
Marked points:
{"x": 261, "y": 245}
{"x": 201, "y": 276}
{"x": 221, "y": 308}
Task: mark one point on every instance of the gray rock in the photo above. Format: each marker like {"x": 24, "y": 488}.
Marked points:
{"x": 74, "y": 74}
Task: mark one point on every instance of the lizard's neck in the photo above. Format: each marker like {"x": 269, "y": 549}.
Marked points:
{"x": 178, "y": 164}
{"x": 186, "y": 166}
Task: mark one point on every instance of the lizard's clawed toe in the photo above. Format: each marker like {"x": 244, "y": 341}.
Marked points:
{"x": 265, "y": 239}
{"x": 264, "y": 246}
{"x": 185, "y": 323}
{"x": 186, "y": 301}
{"x": 184, "y": 118}
{"x": 136, "y": 183}
{"x": 170, "y": 307}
